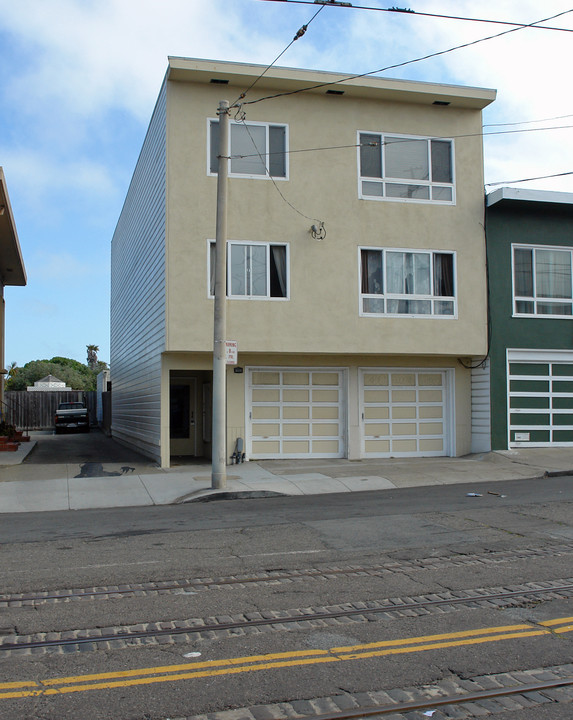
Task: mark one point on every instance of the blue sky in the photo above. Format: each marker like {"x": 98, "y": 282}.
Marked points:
{"x": 80, "y": 79}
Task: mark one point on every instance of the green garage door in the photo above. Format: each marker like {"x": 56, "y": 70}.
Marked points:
{"x": 540, "y": 401}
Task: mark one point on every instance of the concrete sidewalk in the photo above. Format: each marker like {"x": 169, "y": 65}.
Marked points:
{"x": 34, "y": 488}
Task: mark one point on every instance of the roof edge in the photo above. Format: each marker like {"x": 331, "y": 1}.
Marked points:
{"x": 525, "y": 195}
{"x": 12, "y": 270}
{"x": 201, "y": 70}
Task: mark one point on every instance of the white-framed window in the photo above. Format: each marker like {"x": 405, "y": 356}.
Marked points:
{"x": 542, "y": 281}
{"x": 254, "y": 270}
{"x": 406, "y": 168}
{"x": 418, "y": 283}
{"x": 257, "y": 150}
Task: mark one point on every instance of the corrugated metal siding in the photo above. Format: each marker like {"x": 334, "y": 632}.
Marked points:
{"x": 138, "y": 296}
{"x": 481, "y": 408}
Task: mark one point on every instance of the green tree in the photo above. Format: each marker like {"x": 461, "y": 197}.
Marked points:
{"x": 74, "y": 373}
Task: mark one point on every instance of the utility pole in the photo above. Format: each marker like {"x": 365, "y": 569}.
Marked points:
{"x": 219, "y": 449}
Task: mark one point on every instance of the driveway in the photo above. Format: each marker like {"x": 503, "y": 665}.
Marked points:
{"x": 70, "y": 455}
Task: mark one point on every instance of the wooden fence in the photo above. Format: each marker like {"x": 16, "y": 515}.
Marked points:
{"x": 36, "y": 410}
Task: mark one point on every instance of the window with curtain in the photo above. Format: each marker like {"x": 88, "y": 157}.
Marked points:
{"x": 542, "y": 280}
{"x": 254, "y": 270}
{"x": 407, "y": 282}
{"x": 257, "y": 149}
{"x": 400, "y": 167}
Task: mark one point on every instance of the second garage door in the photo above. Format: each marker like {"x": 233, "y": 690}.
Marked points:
{"x": 295, "y": 413}
{"x": 405, "y": 413}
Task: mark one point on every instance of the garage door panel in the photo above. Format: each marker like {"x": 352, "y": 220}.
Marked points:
{"x": 295, "y": 378}
{"x": 293, "y": 396}
{"x": 321, "y": 378}
{"x": 294, "y": 430}
{"x": 529, "y": 386}
{"x": 431, "y": 411}
{"x": 376, "y": 447}
{"x": 404, "y": 428}
{"x": 266, "y": 378}
{"x": 414, "y": 402}
{"x": 329, "y": 396}
{"x": 308, "y": 405}
{"x": 430, "y": 396}
{"x": 561, "y": 369}
{"x": 399, "y": 412}
{"x": 528, "y": 402}
{"x": 561, "y": 386}
{"x": 562, "y": 403}
{"x": 263, "y": 447}
{"x": 403, "y": 396}
{"x": 325, "y": 413}
{"x": 563, "y": 436}
{"x": 296, "y": 447}
{"x": 268, "y": 429}
{"x": 265, "y": 412}
{"x": 563, "y": 419}
{"x": 405, "y": 446}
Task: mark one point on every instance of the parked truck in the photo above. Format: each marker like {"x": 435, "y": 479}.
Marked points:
{"x": 72, "y": 416}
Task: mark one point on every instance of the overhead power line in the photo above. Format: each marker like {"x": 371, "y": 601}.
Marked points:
{"x": 408, "y": 11}
{"x": 539, "y": 177}
{"x": 406, "y": 62}
{"x": 402, "y": 140}
{"x": 298, "y": 35}
{"x": 528, "y": 122}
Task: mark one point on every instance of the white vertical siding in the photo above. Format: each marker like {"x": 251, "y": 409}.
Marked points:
{"x": 138, "y": 296}
{"x": 481, "y": 408}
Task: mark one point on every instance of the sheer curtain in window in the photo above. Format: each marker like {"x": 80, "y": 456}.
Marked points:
{"x": 553, "y": 274}
{"x": 278, "y": 260}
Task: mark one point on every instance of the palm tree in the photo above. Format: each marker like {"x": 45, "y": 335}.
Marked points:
{"x": 92, "y": 356}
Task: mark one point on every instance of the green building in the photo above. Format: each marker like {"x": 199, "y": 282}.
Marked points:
{"x": 530, "y": 366}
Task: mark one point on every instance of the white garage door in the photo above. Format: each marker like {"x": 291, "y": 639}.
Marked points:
{"x": 404, "y": 413}
{"x": 295, "y": 413}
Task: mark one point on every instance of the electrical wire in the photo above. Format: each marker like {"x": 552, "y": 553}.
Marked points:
{"x": 406, "y": 62}
{"x": 436, "y": 137}
{"x": 271, "y": 178}
{"x": 408, "y": 11}
{"x": 298, "y": 35}
{"x": 539, "y": 177}
{"x": 528, "y": 122}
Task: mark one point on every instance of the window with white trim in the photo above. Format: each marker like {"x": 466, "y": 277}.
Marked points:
{"x": 407, "y": 282}
{"x": 256, "y": 149}
{"x": 254, "y": 270}
{"x": 542, "y": 280}
{"x": 409, "y": 168}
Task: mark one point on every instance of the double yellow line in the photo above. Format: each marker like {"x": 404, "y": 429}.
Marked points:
{"x": 253, "y": 663}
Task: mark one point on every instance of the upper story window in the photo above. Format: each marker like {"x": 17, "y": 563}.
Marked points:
{"x": 407, "y": 282}
{"x": 401, "y": 167}
{"x": 254, "y": 270}
{"x": 257, "y": 149}
{"x": 542, "y": 282}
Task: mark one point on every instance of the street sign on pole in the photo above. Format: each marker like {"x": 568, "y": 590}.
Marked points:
{"x": 231, "y": 352}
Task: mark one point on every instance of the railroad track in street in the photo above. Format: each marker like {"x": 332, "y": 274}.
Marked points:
{"x": 188, "y": 585}
{"x": 292, "y": 619}
{"x": 482, "y": 695}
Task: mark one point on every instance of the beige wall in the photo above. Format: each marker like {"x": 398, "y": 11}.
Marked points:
{"x": 201, "y": 364}
{"x": 322, "y": 315}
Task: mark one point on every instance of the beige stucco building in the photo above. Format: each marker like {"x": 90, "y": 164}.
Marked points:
{"x": 356, "y": 344}
{"x": 12, "y": 271}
